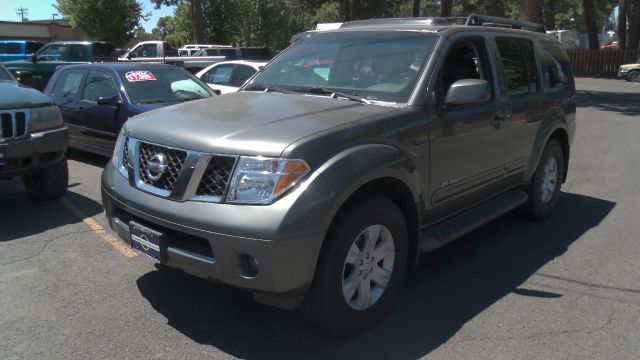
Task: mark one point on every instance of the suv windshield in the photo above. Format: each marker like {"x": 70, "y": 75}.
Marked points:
{"x": 162, "y": 85}
{"x": 377, "y": 66}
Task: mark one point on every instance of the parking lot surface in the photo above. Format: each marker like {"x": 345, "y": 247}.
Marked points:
{"x": 565, "y": 288}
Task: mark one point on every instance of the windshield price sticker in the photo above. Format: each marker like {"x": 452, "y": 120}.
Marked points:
{"x": 140, "y": 75}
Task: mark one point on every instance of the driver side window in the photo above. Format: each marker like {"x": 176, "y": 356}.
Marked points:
{"x": 99, "y": 84}
{"x": 467, "y": 59}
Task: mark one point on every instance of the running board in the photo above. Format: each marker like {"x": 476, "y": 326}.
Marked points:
{"x": 445, "y": 232}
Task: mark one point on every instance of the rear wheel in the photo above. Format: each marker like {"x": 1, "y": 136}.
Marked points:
{"x": 544, "y": 189}
{"x": 49, "y": 182}
{"x": 633, "y": 75}
{"x": 360, "y": 268}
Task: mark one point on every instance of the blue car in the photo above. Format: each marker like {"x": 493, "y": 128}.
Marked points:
{"x": 96, "y": 99}
{"x": 11, "y": 50}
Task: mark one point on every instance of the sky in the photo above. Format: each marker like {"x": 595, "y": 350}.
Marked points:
{"x": 43, "y": 9}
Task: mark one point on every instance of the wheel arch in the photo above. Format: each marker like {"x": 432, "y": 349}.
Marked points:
{"x": 560, "y": 132}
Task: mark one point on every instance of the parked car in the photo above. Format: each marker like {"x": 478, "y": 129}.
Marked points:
{"x": 630, "y": 72}
{"x": 33, "y": 140}
{"x": 37, "y": 71}
{"x": 228, "y": 76}
{"x": 317, "y": 191}
{"x": 97, "y": 99}
{"x": 12, "y": 50}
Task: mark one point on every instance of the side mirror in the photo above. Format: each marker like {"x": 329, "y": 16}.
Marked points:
{"x": 109, "y": 101}
{"x": 34, "y": 58}
{"x": 217, "y": 92}
{"x": 132, "y": 56}
{"x": 468, "y": 92}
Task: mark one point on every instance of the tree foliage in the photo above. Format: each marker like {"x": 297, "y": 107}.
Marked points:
{"x": 115, "y": 21}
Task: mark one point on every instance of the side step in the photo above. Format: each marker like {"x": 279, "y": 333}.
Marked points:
{"x": 445, "y": 232}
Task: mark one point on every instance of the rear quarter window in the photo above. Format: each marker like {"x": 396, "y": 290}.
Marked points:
{"x": 556, "y": 71}
{"x": 10, "y": 48}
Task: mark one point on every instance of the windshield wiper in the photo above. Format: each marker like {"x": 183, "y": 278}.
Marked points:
{"x": 335, "y": 94}
{"x": 256, "y": 87}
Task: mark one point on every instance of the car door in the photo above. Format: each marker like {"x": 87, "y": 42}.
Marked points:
{"x": 524, "y": 99}
{"x": 66, "y": 94}
{"x": 219, "y": 78}
{"x": 101, "y": 121}
{"x": 466, "y": 142}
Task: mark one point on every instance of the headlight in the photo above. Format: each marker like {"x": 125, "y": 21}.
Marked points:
{"x": 46, "y": 117}
{"x": 259, "y": 180}
{"x": 118, "y": 150}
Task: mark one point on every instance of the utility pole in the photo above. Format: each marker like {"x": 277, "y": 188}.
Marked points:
{"x": 22, "y": 12}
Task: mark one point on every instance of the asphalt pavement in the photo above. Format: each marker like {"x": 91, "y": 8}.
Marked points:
{"x": 565, "y": 288}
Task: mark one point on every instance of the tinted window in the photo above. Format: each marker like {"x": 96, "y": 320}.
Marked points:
{"x": 99, "y": 84}
{"x": 78, "y": 52}
{"x": 230, "y": 54}
{"x": 256, "y": 54}
{"x": 162, "y": 85}
{"x": 241, "y": 74}
{"x": 101, "y": 49}
{"x": 68, "y": 84}
{"x": 555, "y": 66}
{"x": 220, "y": 75}
{"x": 54, "y": 52}
{"x": 518, "y": 64}
{"x": 33, "y": 47}
{"x": 383, "y": 66}
{"x": 10, "y": 48}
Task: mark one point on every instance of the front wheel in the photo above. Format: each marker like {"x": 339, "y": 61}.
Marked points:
{"x": 360, "y": 268}
{"x": 544, "y": 189}
{"x": 49, "y": 182}
{"x": 633, "y": 75}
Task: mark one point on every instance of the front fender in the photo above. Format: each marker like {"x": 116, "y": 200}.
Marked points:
{"x": 350, "y": 170}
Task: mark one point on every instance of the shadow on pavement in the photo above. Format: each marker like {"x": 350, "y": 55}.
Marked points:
{"x": 21, "y": 217}
{"x": 88, "y": 158}
{"x": 621, "y": 102}
{"x": 449, "y": 287}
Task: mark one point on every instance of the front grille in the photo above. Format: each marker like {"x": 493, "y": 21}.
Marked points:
{"x": 216, "y": 177}
{"x": 174, "y": 159}
{"x": 125, "y": 156}
{"x": 13, "y": 124}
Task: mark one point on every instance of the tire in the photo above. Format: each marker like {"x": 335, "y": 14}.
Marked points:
{"x": 633, "y": 75}
{"x": 541, "y": 202}
{"x": 49, "y": 182}
{"x": 326, "y": 303}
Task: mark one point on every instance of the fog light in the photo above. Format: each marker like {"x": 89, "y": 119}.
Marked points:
{"x": 247, "y": 266}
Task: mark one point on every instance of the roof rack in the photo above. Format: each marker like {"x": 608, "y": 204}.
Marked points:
{"x": 471, "y": 20}
{"x": 483, "y": 20}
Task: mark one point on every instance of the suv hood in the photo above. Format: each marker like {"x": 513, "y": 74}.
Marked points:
{"x": 247, "y": 123}
{"x": 18, "y": 96}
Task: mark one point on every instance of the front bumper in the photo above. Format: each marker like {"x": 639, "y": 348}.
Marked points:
{"x": 622, "y": 73}
{"x": 206, "y": 239}
{"x": 23, "y": 156}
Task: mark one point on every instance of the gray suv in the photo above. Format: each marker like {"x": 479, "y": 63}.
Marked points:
{"x": 348, "y": 155}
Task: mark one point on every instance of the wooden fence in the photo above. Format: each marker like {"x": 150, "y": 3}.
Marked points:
{"x": 600, "y": 62}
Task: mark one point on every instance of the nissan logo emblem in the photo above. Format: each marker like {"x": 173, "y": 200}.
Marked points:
{"x": 156, "y": 166}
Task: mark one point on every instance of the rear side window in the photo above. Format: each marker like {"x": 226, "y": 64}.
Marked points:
{"x": 556, "y": 71}
{"x": 68, "y": 84}
{"x": 10, "y": 48}
{"x": 230, "y": 54}
{"x": 219, "y": 75}
{"x": 256, "y": 54}
{"x": 518, "y": 64}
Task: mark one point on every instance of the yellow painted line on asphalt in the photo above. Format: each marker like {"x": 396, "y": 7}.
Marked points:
{"x": 121, "y": 247}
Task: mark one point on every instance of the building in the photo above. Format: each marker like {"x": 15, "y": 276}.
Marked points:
{"x": 40, "y": 30}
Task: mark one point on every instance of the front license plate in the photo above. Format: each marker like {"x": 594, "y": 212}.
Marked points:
{"x": 145, "y": 240}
